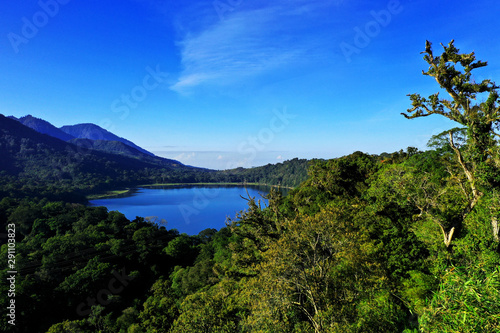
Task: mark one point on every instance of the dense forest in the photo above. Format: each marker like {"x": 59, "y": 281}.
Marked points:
{"x": 287, "y": 174}
{"x": 402, "y": 242}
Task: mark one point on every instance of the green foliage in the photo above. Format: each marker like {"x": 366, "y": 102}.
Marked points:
{"x": 182, "y": 248}
{"x": 216, "y": 310}
{"x": 74, "y": 254}
{"x": 468, "y": 300}
{"x": 287, "y": 174}
{"x": 343, "y": 177}
{"x": 310, "y": 269}
{"x": 478, "y": 158}
{"x": 160, "y": 309}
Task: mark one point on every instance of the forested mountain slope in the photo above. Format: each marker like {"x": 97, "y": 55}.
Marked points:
{"x": 94, "y": 132}
{"x": 288, "y": 173}
{"x": 44, "y": 127}
{"x": 120, "y": 148}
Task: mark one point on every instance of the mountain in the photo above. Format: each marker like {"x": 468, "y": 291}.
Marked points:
{"x": 81, "y": 134}
{"x": 44, "y": 127}
{"x": 18, "y": 141}
{"x": 94, "y": 132}
{"x": 120, "y": 148}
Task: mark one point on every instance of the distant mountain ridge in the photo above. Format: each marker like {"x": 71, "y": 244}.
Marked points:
{"x": 93, "y": 137}
{"x": 120, "y": 148}
{"x": 81, "y": 131}
{"x": 44, "y": 127}
{"x": 94, "y": 132}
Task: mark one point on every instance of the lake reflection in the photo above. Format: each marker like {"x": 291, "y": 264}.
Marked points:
{"x": 189, "y": 209}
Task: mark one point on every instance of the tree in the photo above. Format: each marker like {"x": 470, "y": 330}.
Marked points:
{"x": 160, "y": 309}
{"x": 478, "y": 159}
{"x": 216, "y": 310}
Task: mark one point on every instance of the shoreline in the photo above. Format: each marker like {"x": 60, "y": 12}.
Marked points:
{"x": 122, "y": 192}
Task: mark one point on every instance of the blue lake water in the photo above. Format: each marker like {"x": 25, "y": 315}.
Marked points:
{"x": 189, "y": 209}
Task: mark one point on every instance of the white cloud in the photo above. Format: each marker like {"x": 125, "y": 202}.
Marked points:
{"x": 250, "y": 42}
{"x": 183, "y": 157}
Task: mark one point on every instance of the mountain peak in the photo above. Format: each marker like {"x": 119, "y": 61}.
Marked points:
{"x": 44, "y": 127}
{"x": 95, "y": 132}
{"x": 80, "y": 131}
{"x": 28, "y": 116}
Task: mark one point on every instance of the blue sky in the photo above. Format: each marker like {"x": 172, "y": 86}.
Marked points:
{"x": 229, "y": 83}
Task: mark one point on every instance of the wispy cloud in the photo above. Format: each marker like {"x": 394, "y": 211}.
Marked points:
{"x": 250, "y": 42}
{"x": 222, "y": 160}
{"x": 185, "y": 157}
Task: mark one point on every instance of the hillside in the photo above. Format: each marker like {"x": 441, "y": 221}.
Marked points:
{"x": 120, "y": 148}
{"x": 108, "y": 142}
{"x": 44, "y": 127}
{"x": 287, "y": 174}
{"x": 94, "y": 132}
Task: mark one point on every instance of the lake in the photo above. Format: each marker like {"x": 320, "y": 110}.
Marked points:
{"x": 189, "y": 209}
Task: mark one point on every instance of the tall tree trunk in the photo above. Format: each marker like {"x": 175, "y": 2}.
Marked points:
{"x": 495, "y": 227}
